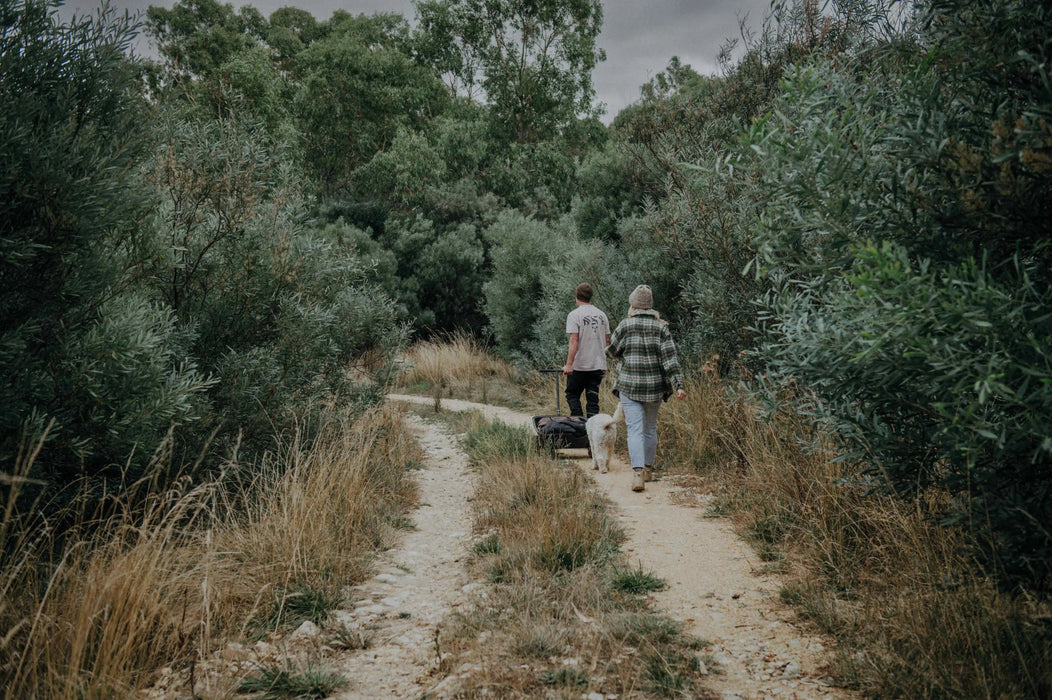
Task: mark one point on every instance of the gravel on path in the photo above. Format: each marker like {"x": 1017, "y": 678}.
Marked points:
{"x": 418, "y": 583}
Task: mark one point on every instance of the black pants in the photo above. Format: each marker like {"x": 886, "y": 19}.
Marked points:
{"x": 588, "y": 382}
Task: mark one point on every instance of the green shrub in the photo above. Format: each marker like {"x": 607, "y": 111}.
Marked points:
{"x": 521, "y": 250}
{"x": 81, "y": 349}
{"x": 440, "y": 272}
{"x": 944, "y": 378}
{"x": 906, "y": 239}
{"x": 284, "y": 307}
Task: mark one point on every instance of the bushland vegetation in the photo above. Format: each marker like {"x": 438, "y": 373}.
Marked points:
{"x": 914, "y": 611}
{"x": 205, "y": 254}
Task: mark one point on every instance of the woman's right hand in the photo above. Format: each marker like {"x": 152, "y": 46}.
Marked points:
{"x": 681, "y": 394}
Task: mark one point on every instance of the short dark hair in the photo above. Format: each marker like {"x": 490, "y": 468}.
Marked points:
{"x": 584, "y": 291}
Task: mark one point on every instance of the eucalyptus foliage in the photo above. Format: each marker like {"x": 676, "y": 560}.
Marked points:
{"x": 532, "y": 61}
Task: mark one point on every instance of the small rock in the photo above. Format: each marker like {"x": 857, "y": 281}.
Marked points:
{"x": 594, "y": 696}
{"x": 263, "y": 650}
{"x": 234, "y": 652}
{"x": 307, "y": 630}
{"x": 449, "y": 687}
{"x": 792, "y": 670}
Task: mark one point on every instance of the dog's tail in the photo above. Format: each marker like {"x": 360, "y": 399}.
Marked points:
{"x": 619, "y": 414}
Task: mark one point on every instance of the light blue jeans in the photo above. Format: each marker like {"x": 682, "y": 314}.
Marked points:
{"x": 641, "y": 422}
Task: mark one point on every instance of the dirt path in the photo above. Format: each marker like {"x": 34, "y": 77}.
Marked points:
{"x": 717, "y": 588}
{"x": 716, "y": 584}
{"x": 418, "y": 583}
{"x": 387, "y": 645}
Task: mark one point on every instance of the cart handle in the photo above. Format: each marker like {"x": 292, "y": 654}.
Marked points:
{"x": 558, "y": 404}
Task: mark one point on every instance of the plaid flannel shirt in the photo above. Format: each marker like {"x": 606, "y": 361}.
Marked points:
{"x": 649, "y": 369}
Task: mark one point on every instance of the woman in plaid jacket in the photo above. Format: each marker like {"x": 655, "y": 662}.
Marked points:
{"x": 648, "y": 374}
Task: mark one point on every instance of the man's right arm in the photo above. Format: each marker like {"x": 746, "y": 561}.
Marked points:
{"x": 574, "y": 341}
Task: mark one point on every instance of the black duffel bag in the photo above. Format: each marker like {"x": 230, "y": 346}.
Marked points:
{"x": 559, "y": 432}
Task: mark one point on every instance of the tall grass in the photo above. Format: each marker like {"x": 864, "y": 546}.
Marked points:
{"x": 914, "y": 614}
{"x": 457, "y": 365}
{"x": 458, "y": 356}
{"x": 95, "y": 610}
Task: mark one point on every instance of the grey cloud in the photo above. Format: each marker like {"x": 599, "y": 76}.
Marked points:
{"x": 641, "y": 37}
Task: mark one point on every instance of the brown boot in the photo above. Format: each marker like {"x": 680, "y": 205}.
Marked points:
{"x": 648, "y": 474}
{"x": 638, "y": 480}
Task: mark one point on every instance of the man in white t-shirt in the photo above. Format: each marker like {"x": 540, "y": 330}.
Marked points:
{"x": 589, "y": 331}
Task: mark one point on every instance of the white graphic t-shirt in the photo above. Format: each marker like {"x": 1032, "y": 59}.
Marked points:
{"x": 591, "y": 326}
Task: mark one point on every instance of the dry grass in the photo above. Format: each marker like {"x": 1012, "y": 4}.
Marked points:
{"x": 559, "y": 620}
{"x": 458, "y": 366}
{"x": 94, "y": 611}
{"x": 913, "y": 613}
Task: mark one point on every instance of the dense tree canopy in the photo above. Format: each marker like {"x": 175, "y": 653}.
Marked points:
{"x": 532, "y": 60}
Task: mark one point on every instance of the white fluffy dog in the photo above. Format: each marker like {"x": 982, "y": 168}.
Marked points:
{"x": 602, "y": 431}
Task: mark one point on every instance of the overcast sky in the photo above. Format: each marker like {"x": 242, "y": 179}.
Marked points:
{"x": 639, "y": 36}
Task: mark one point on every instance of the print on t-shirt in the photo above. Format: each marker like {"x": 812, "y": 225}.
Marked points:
{"x": 591, "y": 326}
